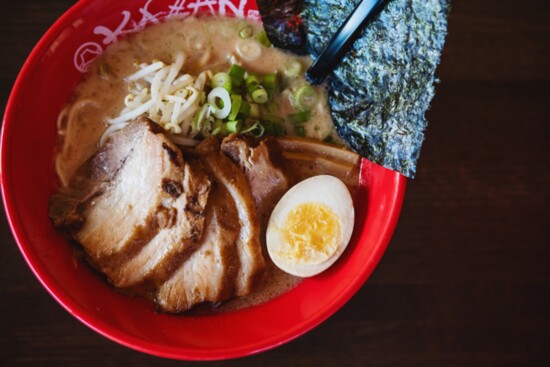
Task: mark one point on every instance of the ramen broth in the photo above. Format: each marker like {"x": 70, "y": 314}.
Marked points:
{"x": 208, "y": 44}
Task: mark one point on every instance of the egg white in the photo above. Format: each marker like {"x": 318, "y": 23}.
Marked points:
{"x": 321, "y": 190}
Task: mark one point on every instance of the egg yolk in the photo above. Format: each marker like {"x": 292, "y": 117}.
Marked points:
{"x": 311, "y": 233}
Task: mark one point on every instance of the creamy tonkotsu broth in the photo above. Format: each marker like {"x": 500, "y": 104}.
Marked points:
{"x": 208, "y": 44}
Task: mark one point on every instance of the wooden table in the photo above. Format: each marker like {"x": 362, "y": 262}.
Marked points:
{"x": 465, "y": 281}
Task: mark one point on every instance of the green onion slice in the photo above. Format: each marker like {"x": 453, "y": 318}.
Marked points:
{"x": 260, "y": 96}
{"x": 236, "y": 73}
{"x": 252, "y": 83}
{"x": 246, "y": 32}
{"x": 305, "y": 97}
{"x": 222, "y": 80}
{"x": 256, "y": 129}
{"x": 244, "y": 110}
{"x": 236, "y": 101}
{"x": 199, "y": 117}
{"x": 269, "y": 81}
{"x": 220, "y": 102}
{"x": 293, "y": 68}
{"x": 206, "y": 126}
{"x": 233, "y": 126}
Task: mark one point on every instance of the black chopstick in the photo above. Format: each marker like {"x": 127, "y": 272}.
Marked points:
{"x": 338, "y": 45}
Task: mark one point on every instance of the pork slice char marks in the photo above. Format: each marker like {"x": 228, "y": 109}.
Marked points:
{"x": 134, "y": 189}
{"x": 252, "y": 269}
{"x": 209, "y": 274}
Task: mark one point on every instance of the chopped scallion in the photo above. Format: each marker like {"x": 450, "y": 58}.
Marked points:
{"x": 236, "y": 101}
{"x": 233, "y": 126}
{"x": 259, "y": 96}
{"x": 205, "y": 127}
{"x": 300, "y": 131}
{"x": 293, "y": 68}
{"x": 236, "y": 73}
{"x": 269, "y": 81}
{"x": 220, "y": 102}
{"x": 305, "y": 97}
{"x": 199, "y": 117}
{"x": 246, "y": 32}
{"x": 222, "y": 80}
{"x": 244, "y": 110}
{"x": 252, "y": 83}
{"x": 256, "y": 129}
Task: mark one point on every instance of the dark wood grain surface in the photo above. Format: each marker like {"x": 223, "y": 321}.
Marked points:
{"x": 465, "y": 281}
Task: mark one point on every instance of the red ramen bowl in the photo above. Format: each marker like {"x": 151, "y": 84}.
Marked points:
{"x": 28, "y": 142}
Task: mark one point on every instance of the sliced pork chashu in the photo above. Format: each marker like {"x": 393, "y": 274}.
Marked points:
{"x": 273, "y": 165}
{"x": 134, "y": 189}
{"x": 229, "y": 260}
{"x": 209, "y": 274}
{"x": 174, "y": 241}
{"x": 262, "y": 165}
{"x": 251, "y": 273}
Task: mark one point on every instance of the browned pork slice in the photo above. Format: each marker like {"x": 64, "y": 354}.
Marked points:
{"x": 209, "y": 274}
{"x": 134, "y": 189}
{"x": 174, "y": 242}
{"x": 252, "y": 268}
{"x": 261, "y": 163}
{"x": 273, "y": 165}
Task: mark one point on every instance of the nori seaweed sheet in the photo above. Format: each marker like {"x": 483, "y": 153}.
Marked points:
{"x": 382, "y": 88}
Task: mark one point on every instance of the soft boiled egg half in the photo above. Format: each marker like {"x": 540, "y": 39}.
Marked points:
{"x": 311, "y": 226}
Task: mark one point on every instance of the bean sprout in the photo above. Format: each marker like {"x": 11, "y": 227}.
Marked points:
{"x": 165, "y": 95}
